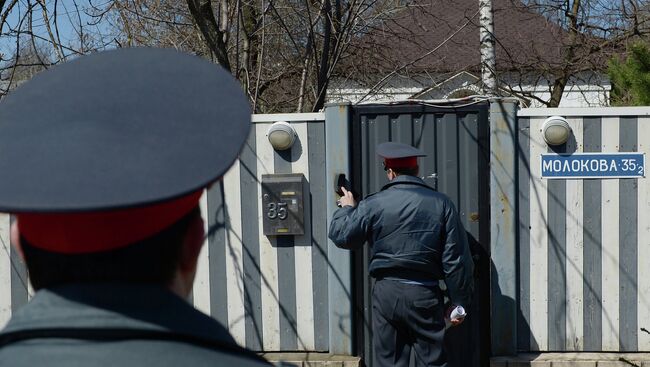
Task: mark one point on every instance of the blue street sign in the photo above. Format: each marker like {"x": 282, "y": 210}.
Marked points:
{"x": 593, "y": 165}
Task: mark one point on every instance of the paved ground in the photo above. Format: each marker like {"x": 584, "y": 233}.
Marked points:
{"x": 521, "y": 360}
{"x": 574, "y": 360}
{"x": 312, "y": 360}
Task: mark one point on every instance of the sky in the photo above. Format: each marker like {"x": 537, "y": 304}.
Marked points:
{"x": 68, "y": 22}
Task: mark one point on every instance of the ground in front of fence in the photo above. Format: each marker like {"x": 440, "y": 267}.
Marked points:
{"x": 573, "y": 360}
{"x": 312, "y": 360}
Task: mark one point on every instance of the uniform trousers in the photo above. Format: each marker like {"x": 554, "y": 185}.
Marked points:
{"x": 407, "y": 317}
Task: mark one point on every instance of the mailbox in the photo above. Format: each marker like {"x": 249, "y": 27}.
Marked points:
{"x": 283, "y": 209}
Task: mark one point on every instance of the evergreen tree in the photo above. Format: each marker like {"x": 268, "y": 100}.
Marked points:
{"x": 631, "y": 78}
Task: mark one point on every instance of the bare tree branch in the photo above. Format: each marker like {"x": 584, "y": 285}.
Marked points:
{"x": 381, "y": 82}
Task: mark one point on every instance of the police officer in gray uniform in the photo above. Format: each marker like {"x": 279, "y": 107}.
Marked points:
{"x": 416, "y": 239}
{"x": 103, "y": 161}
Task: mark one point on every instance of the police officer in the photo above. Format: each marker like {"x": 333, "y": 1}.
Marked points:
{"x": 416, "y": 239}
{"x": 103, "y": 161}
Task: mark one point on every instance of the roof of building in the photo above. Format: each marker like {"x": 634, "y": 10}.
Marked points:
{"x": 438, "y": 36}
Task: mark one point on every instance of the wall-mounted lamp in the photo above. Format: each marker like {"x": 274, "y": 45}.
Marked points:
{"x": 281, "y": 135}
{"x": 556, "y": 130}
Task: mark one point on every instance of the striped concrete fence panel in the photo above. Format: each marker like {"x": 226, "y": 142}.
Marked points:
{"x": 15, "y": 289}
{"x": 584, "y": 245}
{"x": 271, "y": 292}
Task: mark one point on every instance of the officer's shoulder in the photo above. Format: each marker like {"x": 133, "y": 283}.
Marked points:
{"x": 177, "y": 353}
{"x": 373, "y": 197}
{"x": 370, "y": 196}
{"x": 194, "y": 355}
{"x": 444, "y": 199}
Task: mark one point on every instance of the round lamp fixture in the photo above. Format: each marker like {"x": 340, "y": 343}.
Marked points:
{"x": 281, "y": 135}
{"x": 556, "y": 130}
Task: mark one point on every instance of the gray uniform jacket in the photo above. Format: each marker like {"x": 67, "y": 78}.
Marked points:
{"x": 414, "y": 232}
{"x": 119, "y": 309}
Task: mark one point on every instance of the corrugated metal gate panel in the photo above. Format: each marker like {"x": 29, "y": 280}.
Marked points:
{"x": 450, "y": 140}
{"x": 584, "y": 245}
{"x": 456, "y": 142}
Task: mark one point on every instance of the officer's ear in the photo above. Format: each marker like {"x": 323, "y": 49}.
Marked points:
{"x": 14, "y": 237}
{"x": 183, "y": 279}
{"x": 192, "y": 243}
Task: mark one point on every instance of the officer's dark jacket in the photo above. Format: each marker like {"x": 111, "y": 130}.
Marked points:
{"x": 145, "y": 309}
{"x": 413, "y": 231}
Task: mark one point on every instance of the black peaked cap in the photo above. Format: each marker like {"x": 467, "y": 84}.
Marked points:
{"x": 392, "y": 150}
{"x": 118, "y": 129}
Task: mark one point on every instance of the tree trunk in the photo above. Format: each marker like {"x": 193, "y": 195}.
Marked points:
{"x": 561, "y": 81}
{"x": 305, "y": 71}
{"x": 323, "y": 69}
{"x": 488, "y": 57}
{"x": 204, "y": 19}
{"x": 558, "y": 89}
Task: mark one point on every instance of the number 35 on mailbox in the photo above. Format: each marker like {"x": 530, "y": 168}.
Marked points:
{"x": 283, "y": 209}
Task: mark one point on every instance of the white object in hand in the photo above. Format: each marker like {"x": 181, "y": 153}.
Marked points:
{"x": 458, "y": 313}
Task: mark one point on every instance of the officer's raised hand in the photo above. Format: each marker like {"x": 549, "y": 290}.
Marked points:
{"x": 347, "y": 199}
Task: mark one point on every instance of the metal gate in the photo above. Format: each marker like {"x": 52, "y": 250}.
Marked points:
{"x": 456, "y": 141}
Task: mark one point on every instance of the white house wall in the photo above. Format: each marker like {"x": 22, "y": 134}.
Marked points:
{"x": 584, "y": 91}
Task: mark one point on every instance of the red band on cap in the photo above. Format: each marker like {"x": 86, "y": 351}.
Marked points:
{"x": 407, "y": 162}
{"x": 76, "y": 233}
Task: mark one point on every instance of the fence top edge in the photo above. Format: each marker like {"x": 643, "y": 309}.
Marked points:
{"x": 288, "y": 117}
{"x": 584, "y": 111}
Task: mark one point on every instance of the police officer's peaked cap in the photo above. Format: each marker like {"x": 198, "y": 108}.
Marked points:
{"x": 118, "y": 129}
{"x": 111, "y": 148}
{"x": 392, "y": 150}
{"x": 398, "y": 155}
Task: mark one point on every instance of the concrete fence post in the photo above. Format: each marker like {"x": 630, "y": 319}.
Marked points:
{"x": 503, "y": 217}
{"x": 339, "y": 274}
